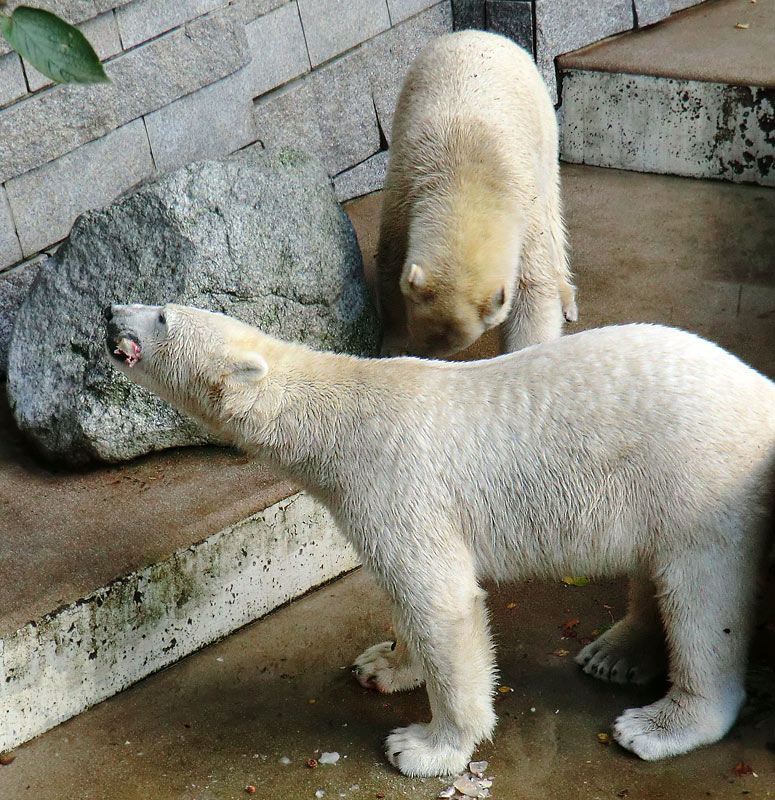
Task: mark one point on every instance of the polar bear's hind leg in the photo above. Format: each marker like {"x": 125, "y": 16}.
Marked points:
{"x": 706, "y": 600}
{"x": 633, "y": 650}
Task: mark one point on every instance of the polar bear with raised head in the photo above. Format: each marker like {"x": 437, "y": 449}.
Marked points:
{"x": 631, "y": 449}
{"x": 471, "y": 234}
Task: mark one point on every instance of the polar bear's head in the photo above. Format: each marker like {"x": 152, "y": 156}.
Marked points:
{"x": 444, "y": 317}
{"x": 203, "y": 363}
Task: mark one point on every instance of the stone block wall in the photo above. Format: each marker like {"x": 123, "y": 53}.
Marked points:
{"x": 195, "y": 79}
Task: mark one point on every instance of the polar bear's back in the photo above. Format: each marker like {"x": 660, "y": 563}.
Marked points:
{"x": 603, "y": 440}
{"x": 473, "y": 90}
{"x": 639, "y": 378}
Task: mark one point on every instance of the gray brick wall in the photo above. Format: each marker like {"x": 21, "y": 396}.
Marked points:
{"x": 12, "y": 84}
{"x": 200, "y": 78}
{"x": 277, "y": 65}
{"x": 10, "y": 248}
{"x": 193, "y": 79}
{"x": 207, "y": 123}
{"x": 333, "y": 26}
{"x": 43, "y": 202}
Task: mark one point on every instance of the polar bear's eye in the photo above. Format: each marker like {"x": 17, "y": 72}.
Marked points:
{"x": 162, "y": 318}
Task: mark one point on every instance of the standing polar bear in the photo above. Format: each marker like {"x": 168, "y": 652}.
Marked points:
{"x": 471, "y": 234}
{"x": 630, "y": 449}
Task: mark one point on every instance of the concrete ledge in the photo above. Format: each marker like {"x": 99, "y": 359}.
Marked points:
{"x": 668, "y": 125}
{"x": 57, "y": 666}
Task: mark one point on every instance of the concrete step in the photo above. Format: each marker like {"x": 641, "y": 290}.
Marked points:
{"x": 113, "y": 573}
{"x": 693, "y": 95}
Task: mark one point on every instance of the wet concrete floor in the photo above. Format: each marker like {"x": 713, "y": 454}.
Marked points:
{"x": 647, "y": 248}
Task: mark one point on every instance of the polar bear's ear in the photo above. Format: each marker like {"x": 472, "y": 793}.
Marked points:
{"x": 416, "y": 277}
{"x": 414, "y": 283}
{"x": 492, "y": 308}
{"x": 249, "y": 368}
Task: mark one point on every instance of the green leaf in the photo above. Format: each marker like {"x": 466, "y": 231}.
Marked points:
{"x": 570, "y": 580}
{"x": 52, "y": 46}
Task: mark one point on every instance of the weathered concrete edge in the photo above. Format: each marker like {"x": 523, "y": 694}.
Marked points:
{"x": 673, "y": 126}
{"x": 60, "y": 665}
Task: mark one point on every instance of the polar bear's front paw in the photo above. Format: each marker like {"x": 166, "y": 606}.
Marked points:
{"x": 624, "y": 654}
{"x": 386, "y": 668}
{"x": 675, "y": 724}
{"x": 412, "y": 751}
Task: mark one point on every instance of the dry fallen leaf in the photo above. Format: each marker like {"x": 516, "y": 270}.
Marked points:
{"x": 604, "y": 738}
{"x": 569, "y": 628}
{"x": 511, "y": 605}
{"x": 560, "y": 652}
{"x": 6, "y": 759}
{"x": 250, "y": 789}
{"x": 743, "y": 769}
{"x": 743, "y": 26}
{"x": 505, "y": 689}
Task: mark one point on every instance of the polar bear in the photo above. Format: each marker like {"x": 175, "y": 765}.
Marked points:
{"x": 471, "y": 232}
{"x": 631, "y": 449}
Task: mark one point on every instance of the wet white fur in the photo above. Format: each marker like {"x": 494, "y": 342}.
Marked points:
{"x": 631, "y": 449}
{"x": 472, "y": 198}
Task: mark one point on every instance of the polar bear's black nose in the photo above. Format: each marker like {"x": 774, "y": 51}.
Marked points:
{"x": 107, "y": 312}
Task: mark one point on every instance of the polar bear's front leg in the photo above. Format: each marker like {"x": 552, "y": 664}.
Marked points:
{"x": 633, "y": 650}
{"x": 447, "y": 628}
{"x": 388, "y": 667}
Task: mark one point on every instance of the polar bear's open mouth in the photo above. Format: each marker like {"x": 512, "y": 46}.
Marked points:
{"x": 126, "y": 348}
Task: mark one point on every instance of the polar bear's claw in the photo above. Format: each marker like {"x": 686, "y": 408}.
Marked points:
{"x": 411, "y": 750}
{"x": 382, "y": 667}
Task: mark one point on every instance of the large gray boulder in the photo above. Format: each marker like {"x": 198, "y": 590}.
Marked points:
{"x": 259, "y": 236}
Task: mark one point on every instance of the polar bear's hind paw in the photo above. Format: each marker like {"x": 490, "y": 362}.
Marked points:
{"x": 673, "y": 725}
{"x": 625, "y": 655}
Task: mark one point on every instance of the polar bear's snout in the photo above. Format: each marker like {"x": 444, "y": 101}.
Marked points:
{"x": 122, "y": 342}
{"x": 129, "y": 328}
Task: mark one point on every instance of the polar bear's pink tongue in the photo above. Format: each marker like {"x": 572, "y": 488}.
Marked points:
{"x": 129, "y": 348}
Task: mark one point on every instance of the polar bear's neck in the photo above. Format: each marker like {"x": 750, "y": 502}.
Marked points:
{"x": 314, "y": 414}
